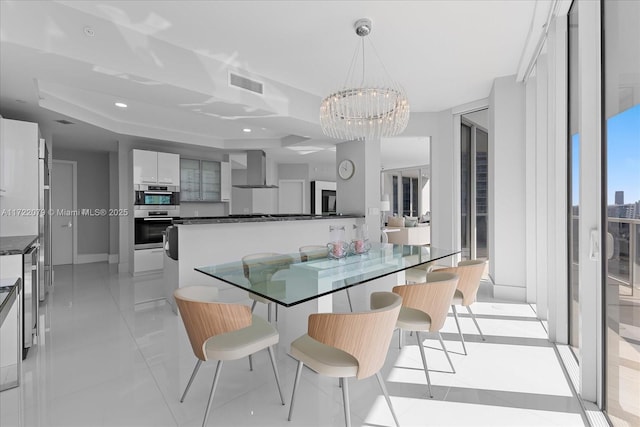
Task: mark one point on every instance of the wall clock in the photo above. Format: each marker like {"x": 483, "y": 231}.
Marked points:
{"x": 346, "y": 168}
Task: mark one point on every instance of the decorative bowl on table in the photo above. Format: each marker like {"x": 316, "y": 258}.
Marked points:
{"x": 359, "y": 246}
{"x": 338, "y": 250}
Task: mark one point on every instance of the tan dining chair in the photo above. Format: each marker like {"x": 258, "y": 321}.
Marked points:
{"x": 470, "y": 273}
{"x": 311, "y": 252}
{"x": 424, "y": 309}
{"x": 219, "y": 331}
{"x": 256, "y": 269}
{"x": 418, "y": 274}
{"x": 344, "y": 345}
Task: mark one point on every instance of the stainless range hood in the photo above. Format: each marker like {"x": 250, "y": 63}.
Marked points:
{"x": 256, "y": 170}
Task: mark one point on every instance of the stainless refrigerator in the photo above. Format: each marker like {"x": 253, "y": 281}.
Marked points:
{"x": 45, "y": 278}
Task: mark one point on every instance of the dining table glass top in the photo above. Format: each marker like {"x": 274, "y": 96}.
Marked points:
{"x": 290, "y": 279}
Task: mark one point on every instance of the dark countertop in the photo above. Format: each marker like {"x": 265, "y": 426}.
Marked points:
{"x": 231, "y": 219}
{"x": 8, "y": 292}
{"x": 16, "y": 245}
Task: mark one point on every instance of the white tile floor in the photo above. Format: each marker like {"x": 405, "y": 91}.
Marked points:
{"x": 104, "y": 361}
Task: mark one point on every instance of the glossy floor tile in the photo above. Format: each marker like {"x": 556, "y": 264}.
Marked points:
{"x": 108, "y": 357}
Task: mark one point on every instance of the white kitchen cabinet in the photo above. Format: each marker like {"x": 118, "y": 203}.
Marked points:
{"x": 225, "y": 181}
{"x": 145, "y": 167}
{"x": 152, "y": 167}
{"x": 147, "y": 260}
{"x": 168, "y": 169}
{"x": 20, "y": 171}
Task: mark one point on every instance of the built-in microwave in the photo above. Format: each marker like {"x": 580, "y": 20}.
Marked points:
{"x": 157, "y": 198}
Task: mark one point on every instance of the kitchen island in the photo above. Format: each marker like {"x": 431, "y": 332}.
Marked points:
{"x": 216, "y": 240}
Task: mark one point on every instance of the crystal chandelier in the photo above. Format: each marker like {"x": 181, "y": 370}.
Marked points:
{"x": 365, "y": 109}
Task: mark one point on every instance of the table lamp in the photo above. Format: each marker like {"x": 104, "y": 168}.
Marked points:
{"x": 385, "y": 206}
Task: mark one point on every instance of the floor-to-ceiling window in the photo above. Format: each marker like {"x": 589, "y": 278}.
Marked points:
{"x": 474, "y": 150}
{"x": 573, "y": 180}
{"x": 621, "y": 54}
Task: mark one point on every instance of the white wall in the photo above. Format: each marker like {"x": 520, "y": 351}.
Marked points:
{"x": 113, "y": 204}
{"x": 322, "y": 172}
{"x": 507, "y": 186}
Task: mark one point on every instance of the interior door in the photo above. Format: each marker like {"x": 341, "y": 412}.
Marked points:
{"x": 62, "y": 218}
{"x": 291, "y": 196}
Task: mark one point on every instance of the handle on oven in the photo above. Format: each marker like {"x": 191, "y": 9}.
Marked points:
{"x": 158, "y": 192}
{"x": 156, "y": 219}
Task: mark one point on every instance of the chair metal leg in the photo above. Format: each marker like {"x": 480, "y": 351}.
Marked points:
{"x": 250, "y": 362}
{"x": 473, "y": 316}
{"x": 349, "y": 299}
{"x": 400, "y": 339}
{"x": 253, "y": 306}
{"x": 345, "y": 400}
{"x": 424, "y": 362}
{"x": 446, "y": 352}
{"x": 269, "y": 312}
{"x": 216, "y": 377}
{"x": 295, "y": 386}
{"x": 276, "y": 313}
{"x": 275, "y": 372}
{"x": 455, "y": 316}
{"x": 386, "y": 396}
{"x": 193, "y": 375}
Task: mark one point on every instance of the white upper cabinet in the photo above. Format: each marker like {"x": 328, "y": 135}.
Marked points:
{"x": 145, "y": 167}
{"x": 151, "y": 167}
{"x": 168, "y": 169}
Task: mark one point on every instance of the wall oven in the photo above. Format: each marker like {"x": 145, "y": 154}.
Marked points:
{"x": 157, "y": 198}
{"x": 149, "y": 228}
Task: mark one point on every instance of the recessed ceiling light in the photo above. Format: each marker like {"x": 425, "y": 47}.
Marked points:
{"x": 88, "y": 31}
{"x": 246, "y": 130}
{"x": 121, "y": 104}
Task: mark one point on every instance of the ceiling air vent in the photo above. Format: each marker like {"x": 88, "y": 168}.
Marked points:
{"x": 64, "y": 122}
{"x": 244, "y": 83}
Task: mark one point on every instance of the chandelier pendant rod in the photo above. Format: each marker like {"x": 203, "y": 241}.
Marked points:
{"x": 363, "y": 59}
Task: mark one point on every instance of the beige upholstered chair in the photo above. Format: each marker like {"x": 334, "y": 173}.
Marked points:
{"x": 311, "y": 252}
{"x": 219, "y": 331}
{"x": 347, "y": 345}
{"x": 424, "y": 309}
{"x": 470, "y": 272}
{"x": 260, "y": 267}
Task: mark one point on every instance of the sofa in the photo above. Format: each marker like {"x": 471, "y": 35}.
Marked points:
{"x": 407, "y": 231}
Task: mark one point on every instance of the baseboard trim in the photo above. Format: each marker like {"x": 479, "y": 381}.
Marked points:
{"x": 114, "y": 259}
{"x": 89, "y": 258}
{"x": 509, "y": 293}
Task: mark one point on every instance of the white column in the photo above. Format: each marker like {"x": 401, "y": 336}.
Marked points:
{"x": 558, "y": 290}
{"x": 507, "y": 185}
{"x": 530, "y": 196}
{"x": 542, "y": 178}
{"x": 360, "y": 194}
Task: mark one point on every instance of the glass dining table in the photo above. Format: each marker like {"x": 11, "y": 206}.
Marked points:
{"x": 292, "y": 279}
